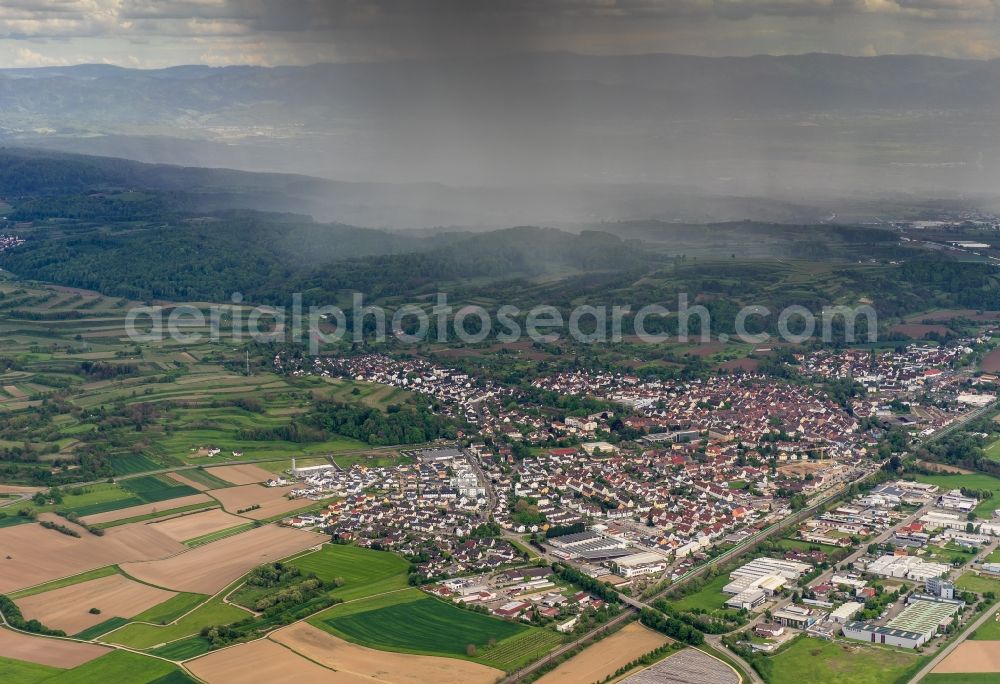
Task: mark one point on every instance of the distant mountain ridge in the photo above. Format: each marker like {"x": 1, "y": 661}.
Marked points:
{"x": 527, "y": 138}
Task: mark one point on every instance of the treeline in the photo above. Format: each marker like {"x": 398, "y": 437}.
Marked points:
{"x": 563, "y": 530}
{"x": 99, "y": 370}
{"x": 601, "y": 590}
{"x": 671, "y": 626}
{"x": 12, "y": 614}
{"x": 716, "y": 622}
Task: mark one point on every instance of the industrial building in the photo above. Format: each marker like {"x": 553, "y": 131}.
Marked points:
{"x": 941, "y": 588}
{"x": 636, "y": 564}
{"x": 752, "y": 583}
{"x": 844, "y": 613}
{"x": 907, "y": 567}
{"x": 915, "y": 626}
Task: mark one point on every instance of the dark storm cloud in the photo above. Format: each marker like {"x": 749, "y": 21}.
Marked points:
{"x": 153, "y": 32}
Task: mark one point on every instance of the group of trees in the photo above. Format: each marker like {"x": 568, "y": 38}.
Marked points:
{"x": 601, "y": 590}
{"x": 671, "y": 626}
{"x": 410, "y": 424}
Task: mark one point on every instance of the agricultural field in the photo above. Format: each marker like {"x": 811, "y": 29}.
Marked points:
{"x": 35, "y": 555}
{"x": 261, "y": 661}
{"x": 364, "y": 572}
{"x": 989, "y": 631}
{"x": 147, "y": 511}
{"x": 238, "y": 474}
{"x": 199, "y": 478}
{"x": 973, "y": 481}
{"x": 825, "y": 662}
{"x": 398, "y": 668}
{"x": 190, "y": 526}
{"x": 46, "y": 651}
{"x": 960, "y": 678}
{"x": 602, "y": 659}
{"x": 971, "y": 657}
{"x": 69, "y": 608}
{"x": 208, "y": 568}
{"x": 123, "y": 666}
{"x": 21, "y": 672}
{"x": 181, "y": 395}
{"x": 410, "y": 621}
{"x": 156, "y": 488}
{"x": 171, "y": 609}
{"x": 259, "y": 502}
{"x": 143, "y": 636}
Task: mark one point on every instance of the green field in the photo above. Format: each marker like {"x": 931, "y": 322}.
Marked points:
{"x": 709, "y": 597}
{"x": 97, "y": 498}
{"x": 364, "y": 572}
{"x": 410, "y": 621}
{"x": 101, "y": 628}
{"x": 128, "y": 464}
{"x": 989, "y": 631}
{"x": 155, "y": 488}
{"x": 802, "y": 545}
{"x": 122, "y": 666}
{"x": 979, "y": 584}
{"x": 973, "y": 481}
{"x": 12, "y": 518}
{"x": 141, "y": 636}
{"x": 823, "y": 662}
{"x": 203, "y": 506}
{"x": 171, "y": 609}
{"x": 203, "y": 477}
{"x": 20, "y": 672}
{"x": 184, "y": 649}
{"x": 992, "y": 451}
{"x": 970, "y": 678}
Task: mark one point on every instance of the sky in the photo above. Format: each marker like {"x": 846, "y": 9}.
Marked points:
{"x": 158, "y": 33}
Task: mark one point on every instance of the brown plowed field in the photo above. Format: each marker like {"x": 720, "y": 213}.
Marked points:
{"x": 192, "y": 525}
{"x": 207, "y": 569}
{"x": 68, "y": 608}
{"x": 31, "y": 554}
{"x": 146, "y": 509}
{"x": 392, "y": 668}
{"x": 241, "y": 474}
{"x": 972, "y": 656}
{"x": 265, "y": 661}
{"x": 45, "y": 651}
{"x": 271, "y": 500}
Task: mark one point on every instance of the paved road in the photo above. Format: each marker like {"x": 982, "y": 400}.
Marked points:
{"x": 716, "y": 642}
{"x": 952, "y": 646}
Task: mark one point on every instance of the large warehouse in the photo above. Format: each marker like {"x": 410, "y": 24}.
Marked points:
{"x": 915, "y": 626}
